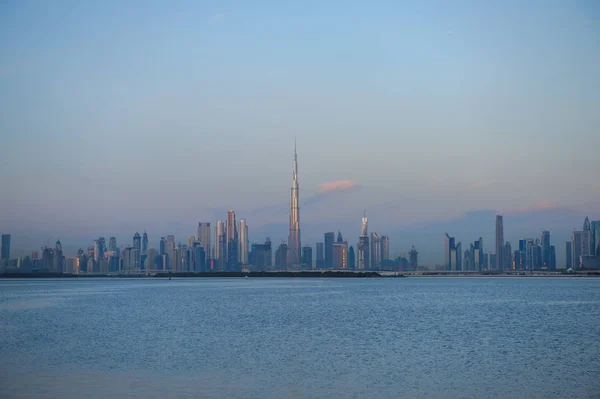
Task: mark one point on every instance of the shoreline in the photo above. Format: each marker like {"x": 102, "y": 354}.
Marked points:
{"x": 308, "y": 274}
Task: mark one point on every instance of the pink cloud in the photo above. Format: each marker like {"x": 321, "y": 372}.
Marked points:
{"x": 339, "y": 185}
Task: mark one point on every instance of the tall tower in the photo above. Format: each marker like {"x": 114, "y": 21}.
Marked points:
{"x": 363, "y": 253}
{"x": 294, "y": 246}
{"x": 137, "y": 241}
{"x": 204, "y": 238}
{"x": 243, "y": 242}
{"x": 144, "y": 243}
{"x": 231, "y": 231}
{"x": 499, "y": 243}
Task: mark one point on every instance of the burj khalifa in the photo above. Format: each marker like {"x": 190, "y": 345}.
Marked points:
{"x": 294, "y": 247}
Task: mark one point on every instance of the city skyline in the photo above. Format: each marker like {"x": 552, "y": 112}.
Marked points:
{"x": 143, "y": 113}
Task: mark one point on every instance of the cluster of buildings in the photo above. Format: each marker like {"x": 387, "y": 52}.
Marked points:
{"x": 224, "y": 248}
{"x": 582, "y": 251}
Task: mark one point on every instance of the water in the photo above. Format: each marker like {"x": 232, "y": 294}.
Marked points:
{"x": 294, "y": 338}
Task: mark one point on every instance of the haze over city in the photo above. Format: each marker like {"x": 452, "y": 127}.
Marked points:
{"x": 154, "y": 116}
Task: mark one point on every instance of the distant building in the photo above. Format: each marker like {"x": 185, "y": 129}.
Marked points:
{"x": 170, "y": 251}
{"x": 586, "y": 238}
{"x": 281, "y": 256}
{"x": 413, "y": 259}
{"x": 307, "y": 257}
{"x": 363, "y": 253}
{"x": 507, "y": 257}
{"x": 220, "y": 245}
{"x": 243, "y": 242}
{"x": 232, "y": 241}
{"x": 595, "y": 231}
{"x": 5, "y": 253}
{"x": 199, "y": 264}
{"x": 204, "y": 238}
{"x": 261, "y": 256}
{"x": 144, "y": 244}
{"x": 340, "y": 253}
{"x": 137, "y": 241}
{"x": 351, "y": 258}
{"x": 58, "y": 258}
{"x": 385, "y": 248}
{"x": 320, "y": 257}
{"x": 499, "y": 265}
{"x": 329, "y": 240}
{"x": 375, "y": 251}
{"x": 576, "y": 248}
{"x": 163, "y": 246}
{"x": 569, "y": 254}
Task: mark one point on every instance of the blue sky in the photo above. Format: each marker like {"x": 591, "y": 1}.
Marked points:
{"x": 122, "y": 113}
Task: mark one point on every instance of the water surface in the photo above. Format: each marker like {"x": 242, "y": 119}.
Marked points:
{"x": 300, "y": 337}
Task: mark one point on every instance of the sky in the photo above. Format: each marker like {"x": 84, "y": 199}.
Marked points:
{"x": 118, "y": 116}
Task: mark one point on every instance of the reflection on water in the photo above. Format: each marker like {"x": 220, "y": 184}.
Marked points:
{"x": 272, "y": 337}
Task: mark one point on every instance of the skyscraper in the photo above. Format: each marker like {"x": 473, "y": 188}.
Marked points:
{"x": 137, "y": 241}
{"x": 58, "y": 258}
{"x": 294, "y": 246}
{"x": 576, "y": 246}
{"x": 385, "y": 248}
{"x": 204, "y": 238}
{"x": 144, "y": 243}
{"x": 586, "y": 238}
{"x": 450, "y": 256}
{"x": 340, "y": 254}
{"x": 362, "y": 248}
{"x": 243, "y": 242}
{"x": 162, "y": 246}
{"x": 261, "y": 256}
{"x": 220, "y": 245}
{"x": 545, "y": 242}
{"x": 172, "y": 260}
{"x": 329, "y": 239}
{"x": 307, "y": 258}
{"x": 281, "y": 256}
{"x": 351, "y": 258}
{"x": 596, "y": 238}
{"x": 112, "y": 244}
{"x": 569, "y": 254}
{"x": 5, "y": 247}
{"x": 232, "y": 240}
{"x": 375, "y": 251}
{"x": 499, "y": 243}
{"x": 320, "y": 257}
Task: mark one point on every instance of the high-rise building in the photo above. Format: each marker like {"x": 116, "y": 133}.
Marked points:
{"x": 458, "y": 265}
{"x": 413, "y": 257}
{"x": 499, "y": 243}
{"x": 58, "y": 258}
{"x": 112, "y": 244}
{"x": 385, "y": 248}
{"x": 507, "y": 256}
{"x": 232, "y": 240}
{"x": 329, "y": 239}
{"x": 5, "y": 254}
{"x": 144, "y": 243}
{"x": 220, "y": 245}
{"x": 137, "y": 241}
{"x": 576, "y": 249}
{"x": 281, "y": 256}
{"x": 320, "y": 257}
{"x": 375, "y": 251}
{"x": 261, "y": 255}
{"x": 98, "y": 251}
{"x": 595, "y": 230}
{"x": 569, "y": 255}
{"x": 163, "y": 246}
{"x": 243, "y": 242}
{"x": 307, "y": 257}
{"x": 351, "y": 258}
{"x": 170, "y": 251}
{"x": 451, "y": 262}
{"x": 204, "y": 238}
{"x": 340, "y": 255}
{"x": 198, "y": 257}
{"x": 545, "y": 243}
{"x": 294, "y": 246}
{"x": 586, "y": 238}
{"x": 362, "y": 248}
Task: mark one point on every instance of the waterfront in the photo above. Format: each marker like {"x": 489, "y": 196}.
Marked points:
{"x": 289, "y": 337}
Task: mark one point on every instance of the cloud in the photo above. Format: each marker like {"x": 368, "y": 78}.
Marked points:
{"x": 339, "y": 185}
